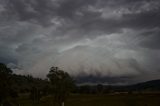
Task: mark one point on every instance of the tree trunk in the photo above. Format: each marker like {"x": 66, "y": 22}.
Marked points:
{"x": 62, "y": 103}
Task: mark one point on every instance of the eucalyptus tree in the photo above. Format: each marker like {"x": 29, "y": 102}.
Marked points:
{"x": 62, "y": 84}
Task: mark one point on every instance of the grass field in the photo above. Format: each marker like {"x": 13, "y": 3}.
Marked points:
{"x": 98, "y": 100}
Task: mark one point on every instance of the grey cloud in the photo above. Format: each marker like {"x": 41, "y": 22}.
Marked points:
{"x": 117, "y": 39}
{"x": 97, "y": 60}
{"x": 152, "y": 39}
{"x": 44, "y": 11}
{"x": 7, "y": 54}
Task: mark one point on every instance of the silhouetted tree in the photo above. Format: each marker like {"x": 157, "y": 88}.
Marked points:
{"x": 85, "y": 89}
{"x": 62, "y": 84}
{"x": 100, "y": 88}
{"x": 35, "y": 95}
{"x": 5, "y": 82}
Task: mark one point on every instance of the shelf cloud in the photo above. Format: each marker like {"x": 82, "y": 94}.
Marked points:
{"x": 105, "y": 39}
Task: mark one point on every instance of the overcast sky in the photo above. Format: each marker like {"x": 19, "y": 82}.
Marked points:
{"x": 113, "y": 41}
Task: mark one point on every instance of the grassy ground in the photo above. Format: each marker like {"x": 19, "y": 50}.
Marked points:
{"x": 98, "y": 100}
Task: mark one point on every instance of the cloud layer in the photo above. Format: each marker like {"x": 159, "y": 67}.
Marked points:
{"x": 105, "y": 39}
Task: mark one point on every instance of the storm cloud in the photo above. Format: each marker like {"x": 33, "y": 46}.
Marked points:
{"x": 115, "y": 41}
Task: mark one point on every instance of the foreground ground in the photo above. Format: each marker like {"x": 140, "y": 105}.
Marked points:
{"x": 98, "y": 100}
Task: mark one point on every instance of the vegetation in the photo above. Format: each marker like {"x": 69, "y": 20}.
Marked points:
{"x": 25, "y": 90}
{"x": 97, "y": 100}
{"x": 5, "y": 84}
{"x": 61, "y": 83}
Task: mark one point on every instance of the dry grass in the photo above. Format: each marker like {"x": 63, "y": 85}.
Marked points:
{"x": 100, "y": 100}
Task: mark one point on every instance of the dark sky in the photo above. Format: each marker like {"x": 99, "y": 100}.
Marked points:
{"x": 113, "y": 41}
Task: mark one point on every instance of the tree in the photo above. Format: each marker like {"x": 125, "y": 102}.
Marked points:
{"x": 62, "y": 84}
{"x": 100, "y": 88}
{"x": 35, "y": 95}
{"x": 86, "y": 89}
{"x": 5, "y": 82}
